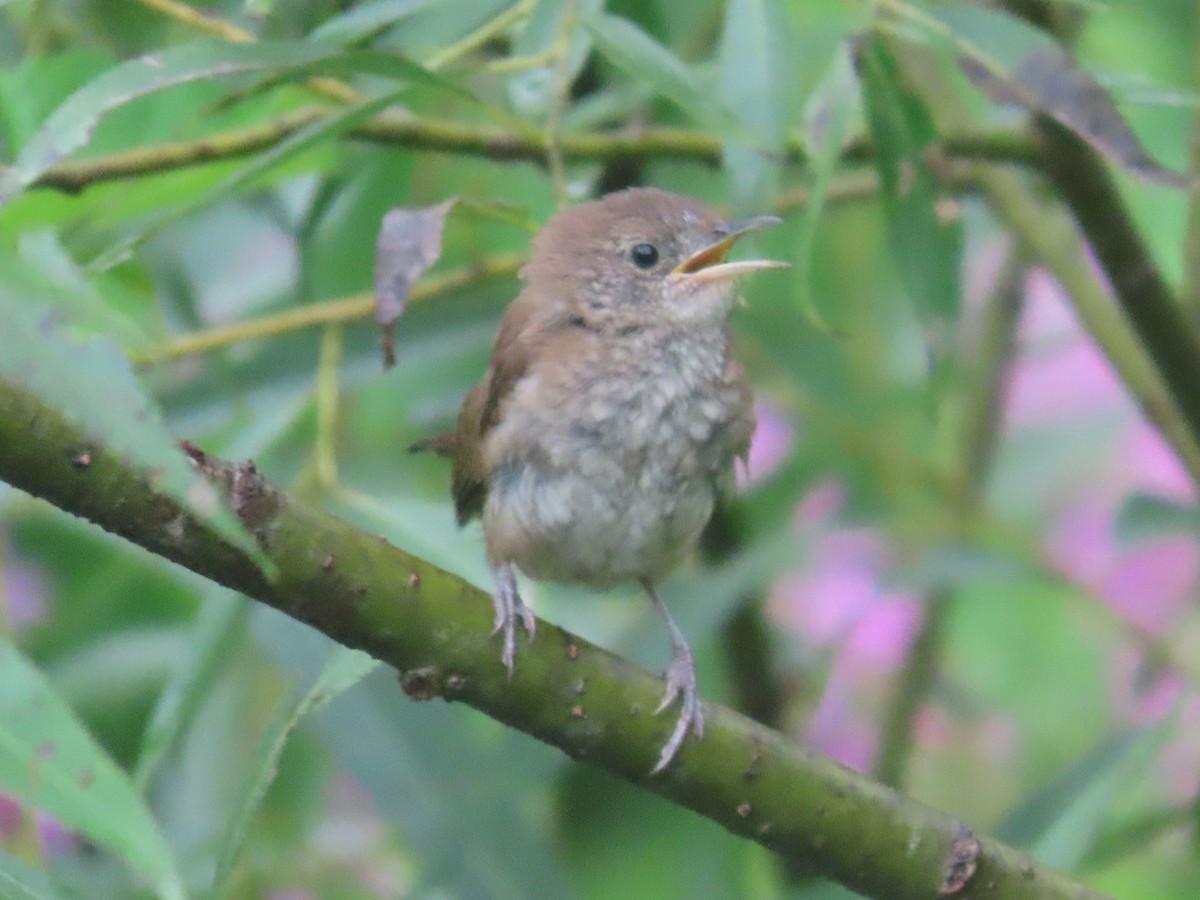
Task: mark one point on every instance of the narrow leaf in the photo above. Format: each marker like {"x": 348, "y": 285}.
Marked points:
{"x": 1015, "y": 64}
{"x": 532, "y": 90}
{"x": 72, "y": 124}
{"x": 21, "y": 881}
{"x": 1060, "y": 821}
{"x": 48, "y": 759}
{"x": 1144, "y": 517}
{"x": 222, "y": 617}
{"x": 343, "y": 669}
{"x": 92, "y": 384}
{"x": 640, "y": 56}
{"x": 322, "y": 130}
{"x": 1050, "y": 82}
{"x": 754, "y": 63}
{"x": 365, "y": 19}
{"x": 81, "y": 299}
{"x": 926, "y": 245}
{"x": 832, "y": 110}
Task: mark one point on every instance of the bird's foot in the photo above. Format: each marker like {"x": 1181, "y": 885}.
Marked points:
{"x": 510, "y": 609}
{"x": 681, "y": 682}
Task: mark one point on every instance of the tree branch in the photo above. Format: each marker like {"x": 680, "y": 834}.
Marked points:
{"x": 434, "y": 628}
{"x": 329, "y": 312}
{"x": 397, "y": 128}
{"x": 1169, "y": 336}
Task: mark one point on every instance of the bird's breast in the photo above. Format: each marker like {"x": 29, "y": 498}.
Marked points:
{"x": 610, "y": 474}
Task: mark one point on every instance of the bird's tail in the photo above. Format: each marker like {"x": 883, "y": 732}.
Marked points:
{"x": 444, "y": 444}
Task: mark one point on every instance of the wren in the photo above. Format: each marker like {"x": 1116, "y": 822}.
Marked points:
{"x": 612, "y": 412}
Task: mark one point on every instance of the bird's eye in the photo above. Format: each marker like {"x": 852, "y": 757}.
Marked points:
{"x": 644, "y": 256}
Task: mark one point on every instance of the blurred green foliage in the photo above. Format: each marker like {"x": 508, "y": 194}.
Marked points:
{"x": 877, "y": 353}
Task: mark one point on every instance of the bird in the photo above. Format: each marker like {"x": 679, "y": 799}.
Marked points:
{"x": 612, "y": 412}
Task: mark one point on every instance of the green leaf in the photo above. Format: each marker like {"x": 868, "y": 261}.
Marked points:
{"x": 72, "y": 124}
{"x": 432, "y": 771}
{"x": 33, "y": 87}
{"x": 532, "y": 90}
{"x": 1133, "y": 836}
{"x": 753, "y": 70}
{"x": 221, "y": 619}
{"x": 324, "y": 129}
{"x": 926, "y": 249}
{"x": 637, "y": 54}
{"x": 365, "y": 19}
{"x": 1145, "y": 517}
{"x": 21, "y": 881}
{"x": 343, "y": 669}
{"x": 92, "y": 384}
{"x": 48, "y": 759}
{"x": 1060, "y": 821}
{"x": 618, "y": 839}
{"x": 1014, "y": 63}
{"x": 81, "y": 299}
{"x": 833, "y": 108}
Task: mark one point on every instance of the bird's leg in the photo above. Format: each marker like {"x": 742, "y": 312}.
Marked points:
{"x": 681, "y": 680}
{"x": 509, "y": 608}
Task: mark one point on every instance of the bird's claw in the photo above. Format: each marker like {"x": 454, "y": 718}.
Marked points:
{"x": 510, "y": 609}
{"x": 681, "y": 681}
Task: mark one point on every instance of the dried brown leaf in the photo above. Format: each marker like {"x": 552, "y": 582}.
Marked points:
{"x": 1048, "y": 81}
{"x": 410, "y": 241}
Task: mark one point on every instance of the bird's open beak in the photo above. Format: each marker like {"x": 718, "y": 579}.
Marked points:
{"x": 708, "y": 263}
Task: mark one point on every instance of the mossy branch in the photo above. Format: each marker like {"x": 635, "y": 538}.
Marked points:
{"x": 434, "y": 629}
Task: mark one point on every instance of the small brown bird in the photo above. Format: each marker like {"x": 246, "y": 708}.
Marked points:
{"x": 612, "y": 412}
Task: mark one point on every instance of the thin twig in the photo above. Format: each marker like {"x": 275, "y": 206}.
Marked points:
{"x": 396, "y": 128}
{"x": 560, "y": 90}
{"x": 325, "y": 445}
{"x": 206, "y": 22}
{"x": 347, "y": 309}
{"x": 481, "y": 35}
{"x": 218, "y": 27}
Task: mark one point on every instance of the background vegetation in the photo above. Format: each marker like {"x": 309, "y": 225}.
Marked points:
{"x": 964, "y": 559}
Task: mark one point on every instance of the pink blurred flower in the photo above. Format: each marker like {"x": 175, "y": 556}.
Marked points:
{"x": 839, "y": 603}
{"x": 55, "y": 839}
{"x": 859, "y": 684}
{"x": 1062, "y": 378}
{"x": 11, "y": 816}
{"x": 23, "y": 591}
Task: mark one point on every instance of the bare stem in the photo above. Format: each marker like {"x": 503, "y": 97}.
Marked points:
{"x": 325, "y": 450}
{"x": 481, "y": 35}
{"x": 347, "y": 309}
{"x": 218, "y": 27}
{"x": 397, "y": 128}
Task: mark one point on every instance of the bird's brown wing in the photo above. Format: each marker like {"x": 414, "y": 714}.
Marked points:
{"x": 520, "y": 331}
{"x": 741, "y": 428}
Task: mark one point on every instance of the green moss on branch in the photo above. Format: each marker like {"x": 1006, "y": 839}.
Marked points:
{"x": 434, "y": 628}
